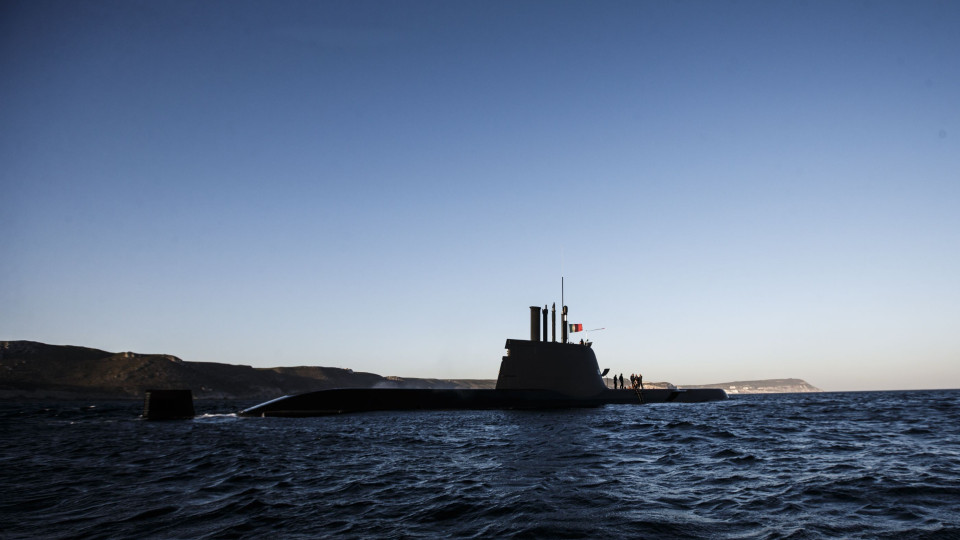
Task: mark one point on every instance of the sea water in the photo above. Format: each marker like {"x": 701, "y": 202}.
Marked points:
{"x": 873, "y": 464}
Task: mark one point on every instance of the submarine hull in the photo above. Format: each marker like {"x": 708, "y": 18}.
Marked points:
{"x": 351, "y": 400}
{"x": 534, "y": 374}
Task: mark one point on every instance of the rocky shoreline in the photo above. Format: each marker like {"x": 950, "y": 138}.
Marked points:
{"x": 31, "y": 370}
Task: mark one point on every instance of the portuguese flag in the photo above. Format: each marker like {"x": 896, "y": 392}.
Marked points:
{"x": 576, "y": 328}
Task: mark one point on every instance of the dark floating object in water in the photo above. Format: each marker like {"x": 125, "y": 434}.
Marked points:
{"x": 535, "y": 374}
{"x": 168, "y": 405}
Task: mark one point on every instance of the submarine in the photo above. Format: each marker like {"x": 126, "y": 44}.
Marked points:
{"x": 534, "y": 374}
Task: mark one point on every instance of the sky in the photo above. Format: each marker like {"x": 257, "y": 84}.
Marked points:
{"x": 733, "y": 190}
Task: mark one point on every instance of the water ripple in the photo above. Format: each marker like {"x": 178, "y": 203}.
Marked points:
{"x": 785, "y": 466}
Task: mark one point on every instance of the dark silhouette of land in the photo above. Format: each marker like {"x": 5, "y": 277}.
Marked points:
{"x": 37, "y": 371}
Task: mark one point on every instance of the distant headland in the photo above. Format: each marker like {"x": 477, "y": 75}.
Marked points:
{"x": 38, "y": 371}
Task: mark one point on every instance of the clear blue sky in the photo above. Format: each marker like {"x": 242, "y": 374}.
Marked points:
{"x": 734, "y": 190}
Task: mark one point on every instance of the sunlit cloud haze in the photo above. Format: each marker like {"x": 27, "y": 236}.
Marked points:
{"x": 733, "y": 190}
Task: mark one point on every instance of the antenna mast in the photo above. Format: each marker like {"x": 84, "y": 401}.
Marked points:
{"x": 563, "y": 315}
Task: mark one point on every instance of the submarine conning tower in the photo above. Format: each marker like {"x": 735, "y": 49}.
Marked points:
{"x": 568, "y": 368}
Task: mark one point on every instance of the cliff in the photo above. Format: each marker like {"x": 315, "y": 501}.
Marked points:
{"x": 31, "y": 370}
{"x": 767, "y": 386}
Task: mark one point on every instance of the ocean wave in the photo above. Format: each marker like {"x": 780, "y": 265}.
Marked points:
{"x": 791, "y": 466}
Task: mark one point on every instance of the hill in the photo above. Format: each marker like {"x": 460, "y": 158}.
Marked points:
{"x": 32, "y": 370}
{"x": 767, "y": 386}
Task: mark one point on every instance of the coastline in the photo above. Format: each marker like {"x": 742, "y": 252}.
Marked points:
{"x": 34, "y": 371}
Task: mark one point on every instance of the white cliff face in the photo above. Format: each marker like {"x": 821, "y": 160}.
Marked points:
{"x": 770, "y": 386}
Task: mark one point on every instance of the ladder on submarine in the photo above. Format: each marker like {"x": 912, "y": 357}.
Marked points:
{"x": 638, "y": 388}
